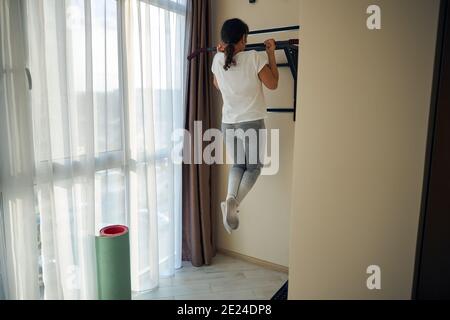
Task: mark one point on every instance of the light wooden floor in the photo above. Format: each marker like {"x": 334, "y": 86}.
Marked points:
{"x": 226, "y": 279}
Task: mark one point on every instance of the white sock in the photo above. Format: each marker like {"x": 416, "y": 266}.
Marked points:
{"x": 231, "y": 197}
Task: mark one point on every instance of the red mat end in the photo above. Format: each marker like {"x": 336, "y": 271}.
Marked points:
{"x": 113, "y": 231}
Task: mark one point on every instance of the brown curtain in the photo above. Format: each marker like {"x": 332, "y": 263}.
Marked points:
{"x": 198, "y": 218}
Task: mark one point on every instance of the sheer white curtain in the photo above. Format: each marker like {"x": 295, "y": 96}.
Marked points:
{"x": 154, "y": 69}
{"x": 106, "y": 96}
{"x": 65, "y": 107}
{"x": 18, "y": 227}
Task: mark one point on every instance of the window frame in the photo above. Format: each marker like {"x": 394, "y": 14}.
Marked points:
{"x": 168, "y": 5}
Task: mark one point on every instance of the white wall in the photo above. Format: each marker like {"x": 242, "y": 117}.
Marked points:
{"x": 360, "y": 146}
{"x": 264, "y": 218}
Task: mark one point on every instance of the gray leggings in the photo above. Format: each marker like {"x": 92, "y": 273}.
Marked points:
{"x": 245, "y": 146}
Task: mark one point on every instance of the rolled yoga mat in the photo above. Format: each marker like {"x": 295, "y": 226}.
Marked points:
{"x": 113, "y": 263}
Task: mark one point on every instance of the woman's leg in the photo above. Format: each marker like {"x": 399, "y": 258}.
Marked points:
{"x": 234, "y": 180}
{"x": 254, "y": 161}
{"x": 246, "y": 169}
{"x": 236, "y": 148}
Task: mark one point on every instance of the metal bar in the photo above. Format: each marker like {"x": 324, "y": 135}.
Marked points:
{"x": 292, "y": 61}
{"x": 280, "y": 110}
{"x": 281, "y": 45}
{"x": 292, "y": 57}
{"x": 295, "y": 61}
{"x": 202, "y": 50}
{"x": 295, "y": 84}
{"x": 274, "y": 30}
{"x": 295, "y": 99}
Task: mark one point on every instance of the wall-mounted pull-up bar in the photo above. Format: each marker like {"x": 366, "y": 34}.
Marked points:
{"x": 281, "y": 45}
{"x": 290, "y": 48}
{"x": 274, "y": 30}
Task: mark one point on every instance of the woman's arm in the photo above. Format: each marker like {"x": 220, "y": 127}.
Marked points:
{"x": 220, "y": 48}
{"x": 269, "y": 74}
{"x": 215, "y": 83}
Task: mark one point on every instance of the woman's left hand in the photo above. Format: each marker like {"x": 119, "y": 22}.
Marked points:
{"x": 221, "y": 47}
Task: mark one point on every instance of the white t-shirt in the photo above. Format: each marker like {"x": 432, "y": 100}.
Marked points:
{"x": 241, "y": 88}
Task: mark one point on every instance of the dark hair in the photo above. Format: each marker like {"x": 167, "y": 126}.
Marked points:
{"x": 232, "y": 32}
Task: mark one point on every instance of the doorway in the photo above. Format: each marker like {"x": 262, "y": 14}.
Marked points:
{"x": 432, "y": 270}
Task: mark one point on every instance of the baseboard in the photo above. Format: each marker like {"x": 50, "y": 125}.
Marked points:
{"x": 259, "y": 262}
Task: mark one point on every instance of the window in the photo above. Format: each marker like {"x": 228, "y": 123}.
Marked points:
{"x": 107, "y": 96}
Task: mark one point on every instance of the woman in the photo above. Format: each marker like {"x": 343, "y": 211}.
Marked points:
{"x": 239, "y": 75}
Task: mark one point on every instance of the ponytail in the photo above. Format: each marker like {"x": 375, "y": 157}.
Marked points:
{"x": 229, "y": 54}
{"x": 232, "y": 32}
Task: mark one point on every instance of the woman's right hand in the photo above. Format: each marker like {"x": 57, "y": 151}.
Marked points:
{"x": 271, "y": 45}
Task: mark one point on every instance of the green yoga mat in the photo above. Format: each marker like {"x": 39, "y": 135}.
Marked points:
{"x": 113, "y": 263}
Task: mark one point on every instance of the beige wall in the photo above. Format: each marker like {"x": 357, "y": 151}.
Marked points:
{"x": 359, "y": 146}
{"x": 264, "y": 217}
